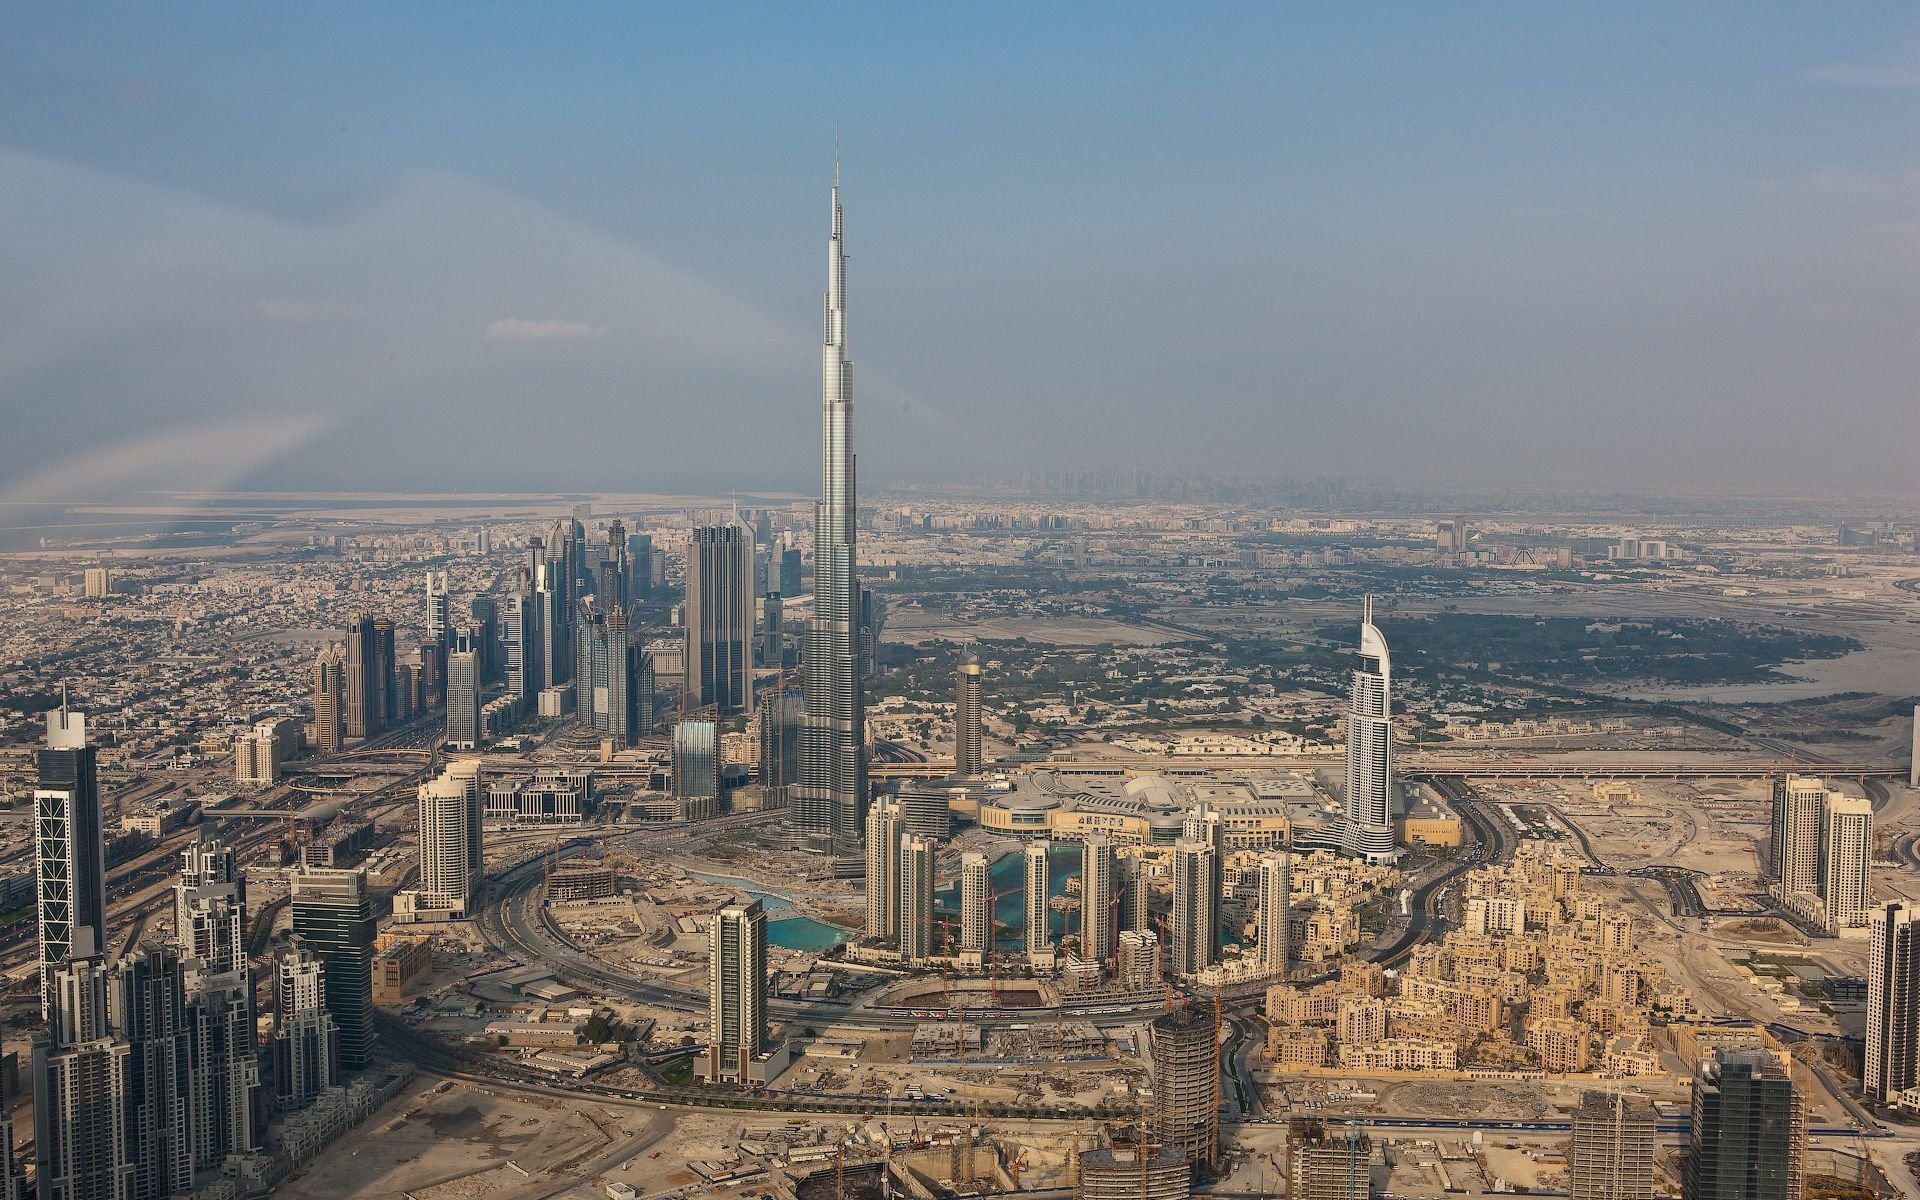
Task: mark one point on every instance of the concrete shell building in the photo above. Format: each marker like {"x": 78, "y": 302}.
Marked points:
{"x": 1186, "y": 1085}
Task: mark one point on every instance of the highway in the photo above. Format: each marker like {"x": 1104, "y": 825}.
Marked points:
{"x": 1491, "y": 835}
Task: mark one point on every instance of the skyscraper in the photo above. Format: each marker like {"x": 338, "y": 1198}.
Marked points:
{"x": 736, "y": 990}
{"x": 520, "y": 643}
{"x": 452, "y": 859}
{"x": 1367, "y": 826}
{"x": 639, "y": 565}
{"x": 69, "y": 856}
{"x": 1846, "y": 854}
{"x": 333, "y": 914}
{"x": 1276, "y": 902}
{"x": 1610, "y": 1156}
{"x": 773, "y": 637}
{"x": 719, "y": 618}
{"x": 224, "y": 1070}
{"x": 883, "y": 870}
{"x": 916, "y": 899}
{"x": 146, "y": 1006}
{"x": 976, "y": 905}
{"x": 1893, "y": 1003}
{"x": 781, "y": 711}
{"x": 696, "y": 769}
{"x": 1204, "y": 823}
{"x": 329, "y": 699}
{"x": 1799, "y": 804}
{"x": 1096, "y": 899}
{"x": 437, "y": 606}
{"x": 1039, "y": 939}
{"x": 1186, "y": 1084}
{"x": 966, "y": 718}
{"x": 360, "y": 679}
{"x": 1749, "y": 1130}
{"x": 81, "y": 1076}
{"x": 830, "y": 803}
{"x": 1195, "y": 918}
{"x": 306, "y": 1042}
{"x": 463, "y": 692}
{"x": 613, "y": 677}
{"x": 381, "y": 703}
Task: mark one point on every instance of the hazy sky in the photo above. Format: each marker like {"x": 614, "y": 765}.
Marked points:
{"x": 478, "y": 247}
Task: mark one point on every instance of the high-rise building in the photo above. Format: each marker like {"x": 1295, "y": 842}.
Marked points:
{"x": 333, "y": 914}
{"x": 1137, "y": 962}
{"x": 1039, "y": 939}
{"x": 1096, "y": 899}
{"x": 830, "y": 804}
{"x": 613, "y": 676}
{"x": 13, "y": 1169}
{"x": 696, "y": 769}
{"x": 1893, "y": 1003}
{"x": 719, "y": 618}
{"x": 1749, "y": 1130}
{"x": 1138, "y": 910}
{"x": 437, "y": 604}
{"x": 463, "y": 692}
{"x": 639, "y": 565}
{"x": 1846, "y": 854}
{"x": 329, "y": 700}
{"x": 306, "y": 1042}
{"x": 1799, "y": 805}
{"x": 1186, "y": 1085}
{"x": 97, "y": 583}
{"x": 381, "y": 702}
{"x": 1204, "y": 823}
{"x": 883, "y": 870}
{"x": 1366, "y": 829}
{"x": 519, "y": 643}
{"x": 773, "y": 632}
{"x": 791, "y": 579}
{"x": 780, "y": 712}
{"x": 976, "y": 904}
{"x": 1194, "y": 916}
{"x": 916, "y": 899}
{"x": 146, "y": 1007}
{"x": 1276, "y": 909}
{"x": 361, "y": 682}
{"x": 1610, "y": 1156}
{"x": 81, "y": 1091}
{"x": 69, "y": 855}
{"x": 1327, "y": 1162}
{"x": 736, "y": 991}
{"x": 452, "y": 859}
{"x": 966, "y": 719}
{"x": 224, "y": 1069}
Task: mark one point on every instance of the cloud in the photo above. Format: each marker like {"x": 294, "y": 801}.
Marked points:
{"x": 213, "y": 455}
{"x": 1894, "y": 75}
{"x": 516, "y": 329}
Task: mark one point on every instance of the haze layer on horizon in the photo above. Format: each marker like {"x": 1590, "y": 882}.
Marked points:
{"x": 522, "y": 249}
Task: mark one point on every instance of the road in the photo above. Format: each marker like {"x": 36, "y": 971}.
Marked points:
{"x": 1493, "y": 838}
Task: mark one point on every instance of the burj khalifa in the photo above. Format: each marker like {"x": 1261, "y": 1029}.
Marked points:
{"x": 829, "y": 806}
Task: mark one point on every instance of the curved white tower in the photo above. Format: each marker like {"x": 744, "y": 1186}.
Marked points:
{"x": 1367, "y": 831}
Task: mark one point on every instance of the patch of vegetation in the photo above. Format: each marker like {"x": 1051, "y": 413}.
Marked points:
{"x": 1578, "y": 650}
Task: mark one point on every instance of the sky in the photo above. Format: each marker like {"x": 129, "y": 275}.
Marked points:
{"x": 522, "y": 248}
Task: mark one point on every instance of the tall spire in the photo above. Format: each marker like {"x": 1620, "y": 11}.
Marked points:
{"x": 830, "y": 803}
